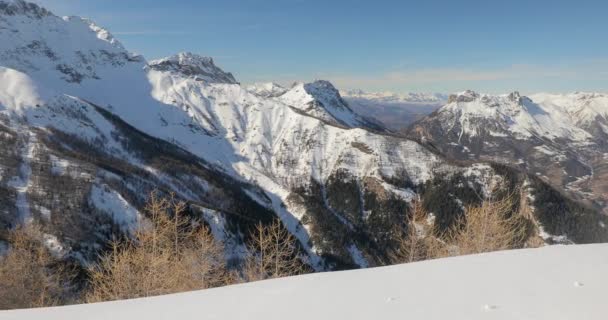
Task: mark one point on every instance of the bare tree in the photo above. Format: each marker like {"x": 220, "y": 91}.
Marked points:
{"x": 420, "y": 241}
{"x": 492, "y": 226}
{"x": 167, "y": 255}
{"x": 30, "y": 276}
{"x": 274, "y": 254}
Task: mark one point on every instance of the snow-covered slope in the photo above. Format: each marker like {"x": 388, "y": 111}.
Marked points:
{"x": 552, "y": 283}
{"x": 588, "y": 111}
{"x": 583, "y": 107}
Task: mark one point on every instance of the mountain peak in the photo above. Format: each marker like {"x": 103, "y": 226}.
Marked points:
{"x": 515, "y": 96}
{"x": 20, "y": 7}
{"x": 465, "y": 96}
{"x": 320, "y": 99}
{"x": 193, "y": 65}
{"x": 321, "y": 85}
{"x": 193, "y": 59}
{"x": 321, "y": 92}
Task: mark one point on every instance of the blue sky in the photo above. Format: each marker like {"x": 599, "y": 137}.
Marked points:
{"x": 401, "y": 46}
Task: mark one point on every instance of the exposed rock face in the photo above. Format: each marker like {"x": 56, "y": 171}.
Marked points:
{"x": 193, "y": 65}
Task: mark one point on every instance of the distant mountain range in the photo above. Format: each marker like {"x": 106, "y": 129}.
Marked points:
{"x": 395, "y": 111}
{"x": 88, "y": 129}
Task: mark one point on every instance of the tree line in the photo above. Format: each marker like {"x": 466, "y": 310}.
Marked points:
{"x": 172, "y": 252}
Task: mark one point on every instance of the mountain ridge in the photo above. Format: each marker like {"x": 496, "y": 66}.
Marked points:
{"x": 560, "y": 137}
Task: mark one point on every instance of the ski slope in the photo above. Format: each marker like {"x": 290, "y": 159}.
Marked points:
{"x": 559, "y": 282}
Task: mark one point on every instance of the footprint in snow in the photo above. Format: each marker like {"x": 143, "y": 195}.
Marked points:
{"x": 489, "y": 307}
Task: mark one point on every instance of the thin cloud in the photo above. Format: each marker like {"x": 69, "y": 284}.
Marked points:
{"x": 149, "y": 33}
{"x": 448, "y": 78}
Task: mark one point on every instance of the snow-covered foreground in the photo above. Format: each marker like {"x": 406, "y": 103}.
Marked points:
{"x": 561, "y": 282}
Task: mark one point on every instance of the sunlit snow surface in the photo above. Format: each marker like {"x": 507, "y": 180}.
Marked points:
{"x": 561, "y": 282}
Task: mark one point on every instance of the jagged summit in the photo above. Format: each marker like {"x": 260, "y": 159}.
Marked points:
{"x": 515, "y": 96}
{"x": 465, "y": 98}
{"x": 325, "y": 90}
{"x": 194, "y": 65}
{"x": 20, "y": 7}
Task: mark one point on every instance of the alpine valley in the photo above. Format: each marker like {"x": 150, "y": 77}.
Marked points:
{"x": 88, "y": 130}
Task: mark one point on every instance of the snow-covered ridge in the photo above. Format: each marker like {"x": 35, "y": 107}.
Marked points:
{"x": 102, "y": 33}
{"x": 322, "y": 100}
{"x": 20, "y": 7}
{"x": 193, "y": 65}
{"x": 520, "y": 115}
{"x": 57, "y": 50}
{"x": 551, "y": 283}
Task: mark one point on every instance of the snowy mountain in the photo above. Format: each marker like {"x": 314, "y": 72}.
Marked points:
{"x": 561, "y": 138}
{"x": 502, "y": 285}
{"x": 587, "y": 111}
{"x": 322, "y": 100}
{"x": 395, "y": 111}
{"x": 88, "y": 129}
{"x": 193, "y": 65}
